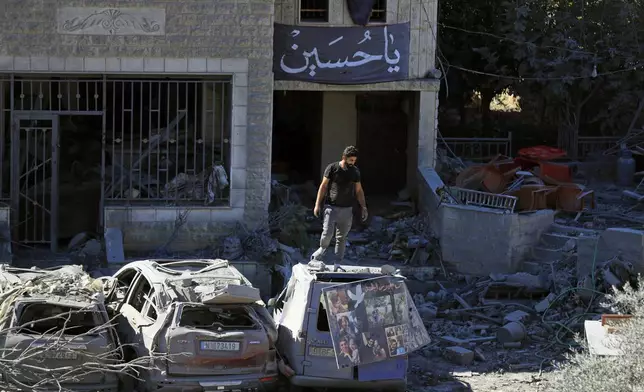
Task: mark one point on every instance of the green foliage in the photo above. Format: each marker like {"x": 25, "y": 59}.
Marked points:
{"x": 549, "y": 51}
{"x": 622, "y": 373}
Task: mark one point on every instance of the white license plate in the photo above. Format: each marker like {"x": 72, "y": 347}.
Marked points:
{"x": 321, "y": 352}
{"x": 70, "y": 355}
{"x": 220, "y": 346}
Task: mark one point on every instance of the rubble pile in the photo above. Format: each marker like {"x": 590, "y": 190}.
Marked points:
{"x": 537, "y": 179}
{"x": 69, "y": 280}
{"x": 407, "y": 240}
{"x": 512, "y": 322}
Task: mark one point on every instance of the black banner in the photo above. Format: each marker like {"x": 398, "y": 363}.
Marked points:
{"x": 341, "y": 55}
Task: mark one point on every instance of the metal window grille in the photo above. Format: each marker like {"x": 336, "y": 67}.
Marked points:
{"x": 164, "y": 141}
{"x": 314, "y": 10}
{"x": 5, "y": 138}
{"x": 168, "y": 141}
{"x": 379, "y": 11}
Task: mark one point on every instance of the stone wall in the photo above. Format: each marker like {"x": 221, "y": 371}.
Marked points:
{"x": 227, "y": 37}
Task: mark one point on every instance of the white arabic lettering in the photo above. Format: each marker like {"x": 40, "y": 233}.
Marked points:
{"x": 359, "y": 58}
{"x": 335, "y": 41}
{"x": 367, "y": 37}
{"x": 389, "y": 60}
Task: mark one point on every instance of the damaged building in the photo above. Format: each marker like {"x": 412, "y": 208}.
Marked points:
{"x": 132, "y": 119}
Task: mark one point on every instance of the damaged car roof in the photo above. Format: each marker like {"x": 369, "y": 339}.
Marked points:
{"x": 198, "y": 281}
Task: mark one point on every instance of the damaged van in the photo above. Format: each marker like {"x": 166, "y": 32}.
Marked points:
{"x": 55, "y": 332}
{"x": 201, "y": 323}
{"x": 305, "y": 342}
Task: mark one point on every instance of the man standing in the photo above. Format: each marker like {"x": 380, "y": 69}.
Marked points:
{"x": 338, "y": 191}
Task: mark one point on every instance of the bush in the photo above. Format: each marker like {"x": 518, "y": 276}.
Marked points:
{"x": 625, "y": 373}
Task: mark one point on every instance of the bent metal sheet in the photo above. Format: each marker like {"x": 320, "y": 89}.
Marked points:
{"x": 341, "y": 55}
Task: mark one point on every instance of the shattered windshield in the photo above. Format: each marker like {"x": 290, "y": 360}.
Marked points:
{"x": 44, "y": 318}
{"x": 216, "y": 318}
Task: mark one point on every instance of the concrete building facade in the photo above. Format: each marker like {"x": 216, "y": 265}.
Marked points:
{"x": 175, "y": 94}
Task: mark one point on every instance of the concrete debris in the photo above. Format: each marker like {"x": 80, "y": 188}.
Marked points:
{"x": 459, "y": 355}
{"x": 513, "y": 331}
{"x": 517, "y": 315}
{"x": 542, "y": 306}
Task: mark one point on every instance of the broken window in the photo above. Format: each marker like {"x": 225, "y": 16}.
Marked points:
{"x": 45, "y": 318}
{"x": 143, "y": 290}
{"x": 123, "y": 283}
{"x": 314, "y": 10}
{"x": 150, "y": 310}
{"x": 216, "y": 318}
{"x": 323, "y": 320}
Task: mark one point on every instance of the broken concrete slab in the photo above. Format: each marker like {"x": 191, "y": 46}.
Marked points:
{"x": 623, "y": 242}
{"x": 545, "y": 303}
{"x": 600, "y": 342}
{"x": 459, "y": 355}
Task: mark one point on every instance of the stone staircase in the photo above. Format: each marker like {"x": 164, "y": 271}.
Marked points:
{"x": 553, "y": 245}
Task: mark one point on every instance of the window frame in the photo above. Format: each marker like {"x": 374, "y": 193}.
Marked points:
{"x": 327, "y": 13}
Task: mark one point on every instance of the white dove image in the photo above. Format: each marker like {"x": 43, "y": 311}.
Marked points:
{"x": 357, "y": 297}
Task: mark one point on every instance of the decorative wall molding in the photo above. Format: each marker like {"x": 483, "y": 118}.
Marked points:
{"x": 110, "y": 21}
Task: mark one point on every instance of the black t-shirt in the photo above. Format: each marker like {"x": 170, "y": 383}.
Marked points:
{"x": 342, "y": 184}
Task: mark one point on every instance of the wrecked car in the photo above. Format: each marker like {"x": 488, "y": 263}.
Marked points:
{"x": 55, "y": 332}
{"x": 305, "y": 342}
{"x": 200, "y": 323}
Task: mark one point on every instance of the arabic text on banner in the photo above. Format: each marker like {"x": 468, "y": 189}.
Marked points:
{"x": 341, "y": 55}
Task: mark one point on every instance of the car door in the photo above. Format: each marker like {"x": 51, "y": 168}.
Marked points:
{"x": 134, "y": 318}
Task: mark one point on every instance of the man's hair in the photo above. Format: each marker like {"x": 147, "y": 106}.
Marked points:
{"x": 350, "y": 152}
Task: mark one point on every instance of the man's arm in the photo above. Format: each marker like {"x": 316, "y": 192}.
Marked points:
{"x": 360, "y": 195}
{"x": 363, "y": 203}
{"x": 322, "y": 192}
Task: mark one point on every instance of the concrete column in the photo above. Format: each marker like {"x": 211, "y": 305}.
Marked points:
{"x": 339, "y": 125}
{"x": 427, "y": 107}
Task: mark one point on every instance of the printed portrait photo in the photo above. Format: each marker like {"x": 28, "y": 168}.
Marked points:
{"x": 379, "y": 311}
{"x": 401, "y": 310}
{"x": 347, "y": 340}
{"x": 338, "y": 301}
{"x": 395, "y": 341}
{"x": 373, "y": 349}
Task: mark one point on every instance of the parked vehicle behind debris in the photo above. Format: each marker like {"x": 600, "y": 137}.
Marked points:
{"x": 200, "y": 321}
{"x": 305, "y": 341}
{"x": 55, "y": 332}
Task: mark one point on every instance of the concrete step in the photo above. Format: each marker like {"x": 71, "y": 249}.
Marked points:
{"x": 556, "y": 240}
{"x": 545, "y": 254}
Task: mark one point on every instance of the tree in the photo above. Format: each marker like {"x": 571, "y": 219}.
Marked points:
{"x": 571, "y": 58}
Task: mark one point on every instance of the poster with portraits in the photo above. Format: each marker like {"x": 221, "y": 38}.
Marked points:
{"x": 373, "y": 320}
